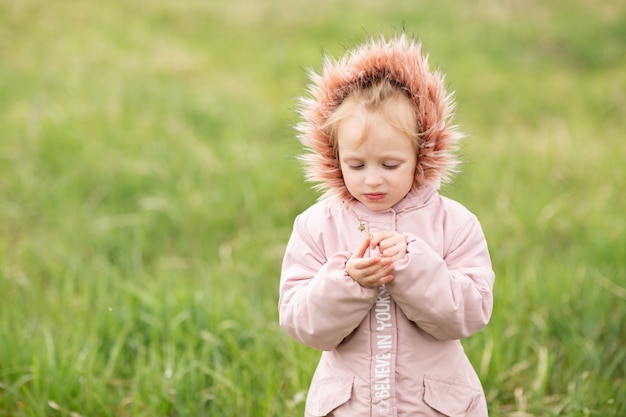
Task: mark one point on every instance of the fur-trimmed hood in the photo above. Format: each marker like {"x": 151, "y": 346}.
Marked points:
{"x": 401, "y": 60}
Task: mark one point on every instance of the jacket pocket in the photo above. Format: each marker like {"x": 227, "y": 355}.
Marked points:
{"x": 454, "y": 399}
{"x": 326, "y": 394}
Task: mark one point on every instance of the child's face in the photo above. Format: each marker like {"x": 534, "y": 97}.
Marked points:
{"x": 377, "y": 161}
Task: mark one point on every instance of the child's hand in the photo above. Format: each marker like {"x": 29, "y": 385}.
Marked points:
{"x": 369, "y": 272}
{"x": 390, "y": 244}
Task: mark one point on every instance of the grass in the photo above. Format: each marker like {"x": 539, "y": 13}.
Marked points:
{"x": 148, "y": 185}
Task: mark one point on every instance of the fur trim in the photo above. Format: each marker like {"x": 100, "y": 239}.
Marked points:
{"x": 401, "y": 60}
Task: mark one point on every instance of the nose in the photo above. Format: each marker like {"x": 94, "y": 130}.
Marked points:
{"x": 373, "y": 178}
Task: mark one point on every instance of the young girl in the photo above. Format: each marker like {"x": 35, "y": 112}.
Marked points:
{"x": 383, "y": 274}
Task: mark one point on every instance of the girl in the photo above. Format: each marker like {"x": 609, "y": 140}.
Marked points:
{"x": 383, "y": 274}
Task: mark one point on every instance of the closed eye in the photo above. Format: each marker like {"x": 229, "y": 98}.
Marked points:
{"x": 390, "y": 166}
{"x": 356, "y": 166}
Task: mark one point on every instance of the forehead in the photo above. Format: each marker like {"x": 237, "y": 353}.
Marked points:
{"x": 372, "y": 132}
{"x": 396, "y": 110}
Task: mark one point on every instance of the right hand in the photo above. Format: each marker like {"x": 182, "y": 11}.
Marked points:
{"x": 369, "y": 272}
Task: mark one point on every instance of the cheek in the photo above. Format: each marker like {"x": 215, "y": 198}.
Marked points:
{"x": 351, "y": 180}
{"x": 348, "y": 178}
{"x": 407, "y": 179}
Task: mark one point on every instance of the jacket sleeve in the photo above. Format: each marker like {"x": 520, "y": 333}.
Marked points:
{"x": 319, "y": 305}
{"x": 449, "y": 297}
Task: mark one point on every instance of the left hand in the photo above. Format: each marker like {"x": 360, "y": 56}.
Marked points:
{"x": 390, "y": 244}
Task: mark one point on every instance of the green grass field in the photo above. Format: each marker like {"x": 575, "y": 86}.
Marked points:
{"x": 148, "y": 185}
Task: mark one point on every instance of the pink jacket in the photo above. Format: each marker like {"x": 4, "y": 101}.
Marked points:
{"x": 394, "y": 351}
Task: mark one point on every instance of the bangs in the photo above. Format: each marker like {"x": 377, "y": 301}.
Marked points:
{"x": 384, "y": 98}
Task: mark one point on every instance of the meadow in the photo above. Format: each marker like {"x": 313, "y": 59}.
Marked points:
{"x": 149, "y": 181}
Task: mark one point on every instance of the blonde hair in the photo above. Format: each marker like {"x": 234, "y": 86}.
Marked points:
{"x": 384, "y": 97}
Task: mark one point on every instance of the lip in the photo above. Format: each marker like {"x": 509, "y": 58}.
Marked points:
{"x": 375, "y": 196}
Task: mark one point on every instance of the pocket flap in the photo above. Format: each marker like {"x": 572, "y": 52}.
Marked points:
{"x": 326, "y": 394}
{"x": 451, "y": 398}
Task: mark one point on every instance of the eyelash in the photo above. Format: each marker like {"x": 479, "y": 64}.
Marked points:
{"x": 385, "y": 166}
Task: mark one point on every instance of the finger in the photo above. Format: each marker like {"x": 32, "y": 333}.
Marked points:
{"x": 376, "y": 239}
{"x": 389, "y": 251}
{"x": 380, "y": 237}
{"x": 378, "y": 270}
{"x": 369, "y": 271}
{"x": 373, "y": 282}
{"x": 384, "y": 280}
{"x": 360, "y": 252}
{"x": 362, "y": 266}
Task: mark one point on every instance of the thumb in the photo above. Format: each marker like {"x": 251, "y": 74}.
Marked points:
{"x": 360, "y": 252}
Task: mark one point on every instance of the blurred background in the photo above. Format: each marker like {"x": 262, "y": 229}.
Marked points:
{"x": 148, "y": 185}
